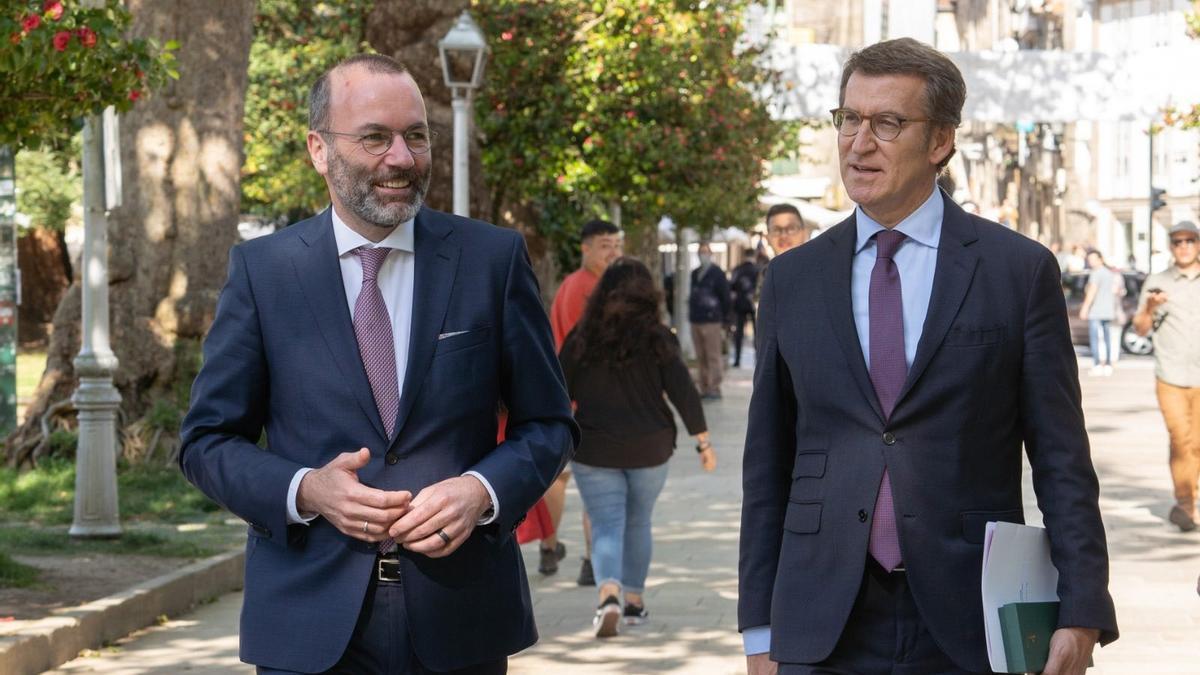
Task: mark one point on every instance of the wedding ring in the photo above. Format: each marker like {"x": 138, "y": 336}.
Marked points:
{"x": 445, "y": 537}
{"x": 365, "y": 523}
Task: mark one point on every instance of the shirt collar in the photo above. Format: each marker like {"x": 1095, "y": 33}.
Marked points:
{"x": 400, "y": 237}
{"x": 1178, "y": 274}
{"x": 923, "y": 226}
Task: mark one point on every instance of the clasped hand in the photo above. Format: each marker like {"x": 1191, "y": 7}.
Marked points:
{"x": 451, "y": 506}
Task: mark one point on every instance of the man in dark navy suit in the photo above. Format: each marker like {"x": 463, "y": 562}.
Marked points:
{"x": 904, "y": 359}
{"x": 347, "y": 409}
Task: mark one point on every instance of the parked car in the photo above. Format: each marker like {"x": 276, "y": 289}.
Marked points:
{"x": 1074, "y": 285}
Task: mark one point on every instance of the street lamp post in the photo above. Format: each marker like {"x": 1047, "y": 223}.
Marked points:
{"x": 96, "y": 399}
{"x": 463, "y": 51}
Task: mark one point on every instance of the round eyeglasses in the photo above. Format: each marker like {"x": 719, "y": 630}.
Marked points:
{"x": 418, "y": 140}
{"x": 885, "y": 126}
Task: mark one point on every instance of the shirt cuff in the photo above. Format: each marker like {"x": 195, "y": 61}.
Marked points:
{"x": 757, "y": 640}
{"x": 294, "y": 517}
{"x": 488, "y": 517}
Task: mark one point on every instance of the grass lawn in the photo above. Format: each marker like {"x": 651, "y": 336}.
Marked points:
{"x": 30, "y": 367}
{"x": 150, "y": 493}
{"x": 15, "y": 575}
{"x": 161, "y": 515}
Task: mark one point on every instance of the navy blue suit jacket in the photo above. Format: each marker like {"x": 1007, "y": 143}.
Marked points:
{"x": 994, "y": 370}
{"x": 281, "y": 357}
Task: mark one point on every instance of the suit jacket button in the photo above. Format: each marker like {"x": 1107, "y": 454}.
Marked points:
{"x": 391, "y": 458}
{"x": 862, "y": 516}
{"x": 888, "y": 438}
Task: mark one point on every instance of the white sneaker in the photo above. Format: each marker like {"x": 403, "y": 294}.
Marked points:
{"x": 1096, "y": 371}
{"x": 608, "y": 617}
{"x": 1108, "y": 371}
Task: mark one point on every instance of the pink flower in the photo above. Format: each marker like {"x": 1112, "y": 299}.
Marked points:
{"x": 52, "y": 9}
{"x": 87, "y": 36}
{"x": 31, "y": 22}
{"x": 506, "y": 35}
{"x": 61, "y": 39}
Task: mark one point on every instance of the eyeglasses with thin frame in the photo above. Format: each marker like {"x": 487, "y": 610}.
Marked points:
{"x": 885, "y": 126}
{"x": 783, "y": 230}
{"x": 418, "y": 139}
{"x": 1184, "y": 240}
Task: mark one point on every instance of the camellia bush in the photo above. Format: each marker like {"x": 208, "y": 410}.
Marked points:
{"x": 656, "y": 106}
{"x": 63, "y": 60}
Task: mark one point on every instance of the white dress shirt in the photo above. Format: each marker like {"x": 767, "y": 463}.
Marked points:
{"x": 396, "y": 279}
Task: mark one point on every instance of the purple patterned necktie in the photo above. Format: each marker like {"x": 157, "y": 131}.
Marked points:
{"x": 373, "y": 328}
{"x": 888, "y": 371}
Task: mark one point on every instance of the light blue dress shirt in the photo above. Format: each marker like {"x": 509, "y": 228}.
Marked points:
{"x": 916, "y": 260}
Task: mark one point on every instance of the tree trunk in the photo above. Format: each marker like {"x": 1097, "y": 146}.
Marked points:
{"x": 181, "y": 155}
{"x": 45, "y": 275}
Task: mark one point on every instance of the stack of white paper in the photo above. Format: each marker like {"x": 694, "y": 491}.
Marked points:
{"x": 1016, "y": 568}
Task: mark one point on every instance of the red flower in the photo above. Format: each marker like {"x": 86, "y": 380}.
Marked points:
{"x": 61, "y": 39}
{"x": 30, "y": 22}
{"x": 52, "y": 9}
{"x": 87, "y": 36}
{"x": 135, "y": 95}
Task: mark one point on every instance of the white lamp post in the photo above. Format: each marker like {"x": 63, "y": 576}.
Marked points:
{"x": 462, "y": 51}
{"x": 97, "y": 399}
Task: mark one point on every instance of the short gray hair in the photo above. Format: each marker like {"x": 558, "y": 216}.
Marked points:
{"x": 945, "y": 90}
{"x": 318, "y": 95}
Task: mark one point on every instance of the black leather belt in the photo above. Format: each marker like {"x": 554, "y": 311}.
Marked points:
{"x": 387, "y": 569}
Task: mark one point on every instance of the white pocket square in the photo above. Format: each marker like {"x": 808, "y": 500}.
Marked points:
{"x": 443, "y": 336}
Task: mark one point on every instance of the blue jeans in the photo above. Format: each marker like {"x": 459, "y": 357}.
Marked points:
{"x": 620, "y": 503}
{"x": 1100, "y": 341}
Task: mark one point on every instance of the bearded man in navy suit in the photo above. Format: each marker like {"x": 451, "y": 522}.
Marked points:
{"x": 367, "y": 349}
{"x": 904, "y": 358}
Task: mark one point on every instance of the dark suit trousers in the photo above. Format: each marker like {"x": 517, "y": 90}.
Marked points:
{"x": 381, "y": 645}
{"x": 739, "y": 334}
{"x": 883, "y": 636}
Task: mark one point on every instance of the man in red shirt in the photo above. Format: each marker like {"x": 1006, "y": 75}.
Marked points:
{"x": 601, "y": 244}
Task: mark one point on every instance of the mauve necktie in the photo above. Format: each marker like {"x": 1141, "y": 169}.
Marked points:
{"x": 373, "y": 328}
{"x": 888, "y": 370}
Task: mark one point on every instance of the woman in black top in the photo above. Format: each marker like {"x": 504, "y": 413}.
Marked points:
{"x": 619, "y": 361}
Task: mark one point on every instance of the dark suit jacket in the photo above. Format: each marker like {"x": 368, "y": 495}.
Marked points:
{"x": 281, "y": 357}
{"x": 994, "y": 369}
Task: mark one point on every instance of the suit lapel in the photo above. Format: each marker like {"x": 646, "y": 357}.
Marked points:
{"x": 952, "y": 277}
{"x": 436, "y": 263}
{"x": 838, "y": 302}
{"x": 320, "y": 278}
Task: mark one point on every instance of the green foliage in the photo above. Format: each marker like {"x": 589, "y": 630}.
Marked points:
{"x": 1187, "y": 117}
{"x": 62, "y": 61}
{"x": 63, "y": 443}
{"x": 294, "y": 42}
{"x": 146, "y": 492}
{"x": 164, "y": 415}
{"x": 652, "y": 104}
{"x": 49, "y": 184}
{"x": 14, "y": 574}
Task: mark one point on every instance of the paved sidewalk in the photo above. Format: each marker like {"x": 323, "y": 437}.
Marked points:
{"x": 692, "y": 590}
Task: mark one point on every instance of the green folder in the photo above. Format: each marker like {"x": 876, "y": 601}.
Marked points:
{"x": 1026, "y": 628}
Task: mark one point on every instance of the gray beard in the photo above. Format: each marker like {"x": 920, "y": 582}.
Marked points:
{"x": 354, "y": 188}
